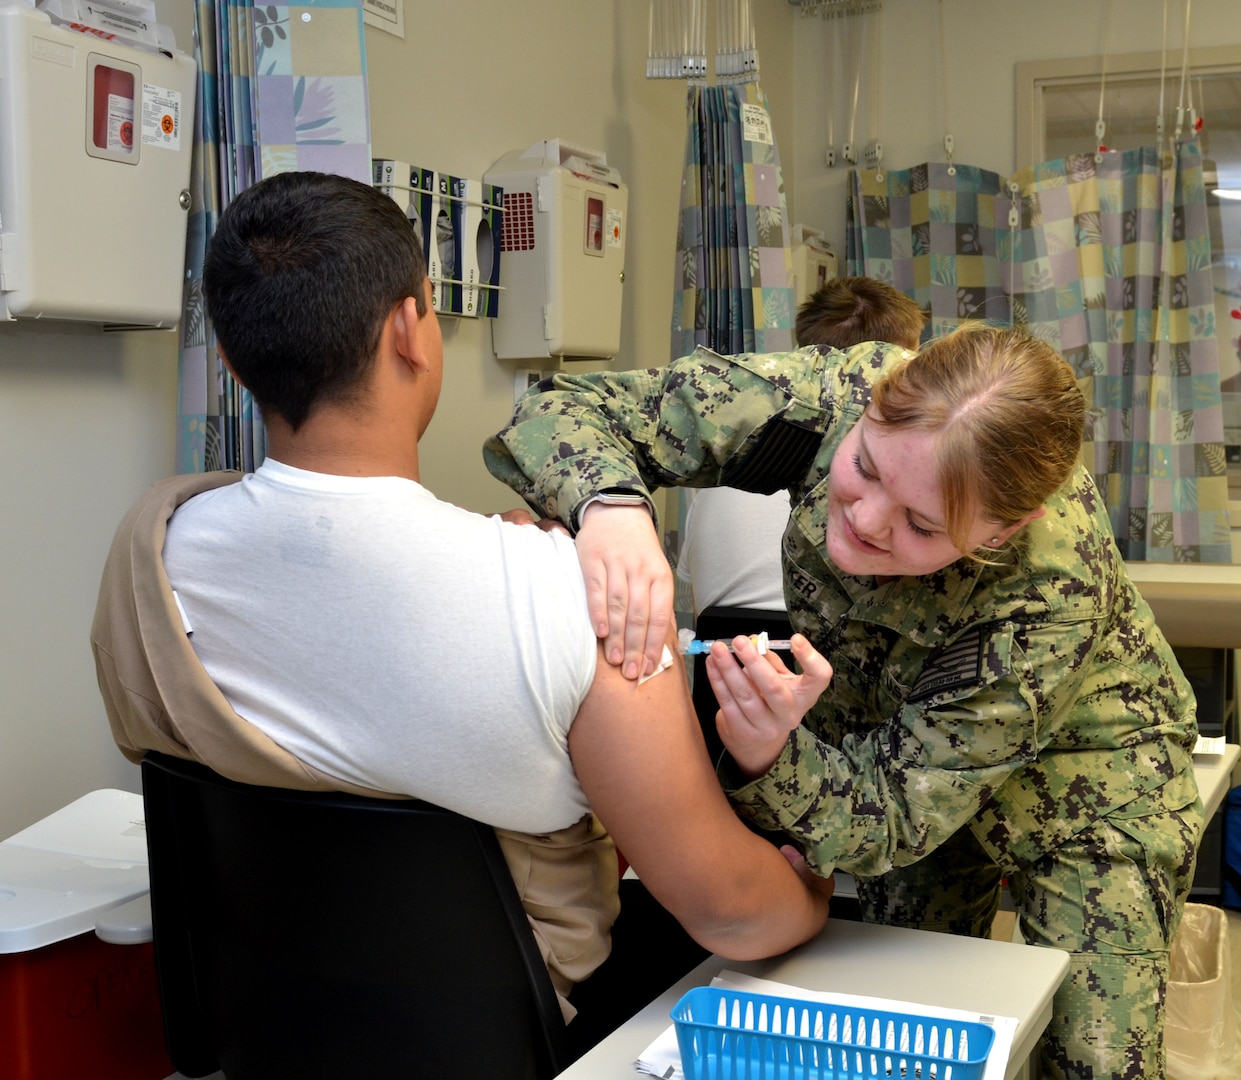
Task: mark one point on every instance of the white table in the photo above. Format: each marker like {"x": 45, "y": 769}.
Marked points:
{"x": 981, "y": 975}
{"x": 1195, "y": 604}
{"x": 1214, "y": 775}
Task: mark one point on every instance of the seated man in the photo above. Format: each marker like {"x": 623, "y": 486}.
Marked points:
{"x": 327, "y": 623}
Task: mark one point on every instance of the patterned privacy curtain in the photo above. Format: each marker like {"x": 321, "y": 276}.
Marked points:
{"x": 931, "y": 232}
{"x": 280, "y": 87}
{"x": 733, "y": 287}
{"x": 1110, "y": 263}
{"x": 1115, "y": 263}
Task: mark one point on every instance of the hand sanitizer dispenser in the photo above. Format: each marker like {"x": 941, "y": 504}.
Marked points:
{"x": 564, "y": 253}
{"x": 95, "y": 142}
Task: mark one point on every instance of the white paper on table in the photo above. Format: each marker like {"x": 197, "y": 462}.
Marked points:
{"x": 663, "y": 1057}
{"x": 1210, "y": 744}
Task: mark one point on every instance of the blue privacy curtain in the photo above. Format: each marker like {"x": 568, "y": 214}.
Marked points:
{"x": 1109, "y": 262}
{"x": 732, "y": 289}
{"x": 733, "y": 285}
{"x": 280, "y": 87}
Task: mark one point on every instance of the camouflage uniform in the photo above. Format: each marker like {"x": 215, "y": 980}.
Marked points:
{"x": 1025, "y": 720}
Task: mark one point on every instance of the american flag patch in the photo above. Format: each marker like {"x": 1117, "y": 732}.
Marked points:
{"x": 951, "y": 666}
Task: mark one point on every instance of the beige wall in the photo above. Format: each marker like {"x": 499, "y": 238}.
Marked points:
{"x": 504, "y": 76}
{"x": 87, "y": 419}
{"x": 86, "y": 422}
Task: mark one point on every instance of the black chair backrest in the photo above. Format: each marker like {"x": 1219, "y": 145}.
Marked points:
{"x": 726, "y": 623}
{"x": 309, "y": 935}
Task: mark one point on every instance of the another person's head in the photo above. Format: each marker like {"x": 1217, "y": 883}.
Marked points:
{"x": 846, "y": 311}
{"x": 300, "y": 275}
{"x": 959, "y": 448}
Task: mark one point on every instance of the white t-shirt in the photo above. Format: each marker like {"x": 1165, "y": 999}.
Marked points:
{"x": 730, "y": 553}
{"x": 391, "y": 639}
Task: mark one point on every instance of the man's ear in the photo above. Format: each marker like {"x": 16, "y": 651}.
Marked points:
{"x": 405, "y": 338}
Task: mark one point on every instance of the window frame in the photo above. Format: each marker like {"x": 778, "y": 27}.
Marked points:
{"x": 1032, "y": 76}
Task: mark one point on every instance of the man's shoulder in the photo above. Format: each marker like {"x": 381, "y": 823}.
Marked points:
{"x": 175, "y": 490}
{"x": 190, "y": 484}
{"x": 152, "y": 510}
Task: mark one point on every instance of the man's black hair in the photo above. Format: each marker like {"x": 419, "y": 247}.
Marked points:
{"x": 300, "y": 275}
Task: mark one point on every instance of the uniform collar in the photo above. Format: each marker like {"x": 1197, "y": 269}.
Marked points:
{"x": 917, "y": 608}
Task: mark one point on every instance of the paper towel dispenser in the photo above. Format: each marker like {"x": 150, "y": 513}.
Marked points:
{"x": 95, "y": 142}
{"x": 564, "y": 253}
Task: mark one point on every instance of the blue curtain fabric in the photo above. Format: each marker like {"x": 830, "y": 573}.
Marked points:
{"x": 733, "y": 285}
{"x": 281, "y": 87}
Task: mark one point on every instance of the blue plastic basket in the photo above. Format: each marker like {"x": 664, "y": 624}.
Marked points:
{"x": 736, "y": 1035}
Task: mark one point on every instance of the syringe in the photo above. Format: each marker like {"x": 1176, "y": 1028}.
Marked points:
{"x": 688, "y": 645}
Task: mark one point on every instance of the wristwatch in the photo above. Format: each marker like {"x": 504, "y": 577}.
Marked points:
{"x": 616, "y": 498}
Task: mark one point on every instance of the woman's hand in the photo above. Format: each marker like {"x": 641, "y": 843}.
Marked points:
{"x": 761, "y": 701}
{"x": 520, "y": 516}
{"x": 824, "y": 886}
{"x": 524, "y": 517}
{"x": 629, "y": 586}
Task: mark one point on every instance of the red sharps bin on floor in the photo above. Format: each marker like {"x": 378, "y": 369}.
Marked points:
{"x": 72, "y": 1006}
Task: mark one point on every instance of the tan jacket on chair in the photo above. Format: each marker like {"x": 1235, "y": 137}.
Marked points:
{"x": 159, "y": 697}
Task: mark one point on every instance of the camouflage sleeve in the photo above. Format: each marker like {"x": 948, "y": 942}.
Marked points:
{"x": 889, "y": 796}
{"x": 752, "y": 422}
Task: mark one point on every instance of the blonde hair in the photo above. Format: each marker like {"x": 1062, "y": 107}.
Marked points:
{"x": 1008, "y": 414}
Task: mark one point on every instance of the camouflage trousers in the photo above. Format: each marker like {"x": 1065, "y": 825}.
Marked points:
{"x": 1111, "y": 897}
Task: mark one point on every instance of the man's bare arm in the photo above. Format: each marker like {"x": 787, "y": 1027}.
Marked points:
{"x": 640, "y": 757}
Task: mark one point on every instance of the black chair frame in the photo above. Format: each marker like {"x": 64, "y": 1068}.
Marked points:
{"x": 331, "y": 935}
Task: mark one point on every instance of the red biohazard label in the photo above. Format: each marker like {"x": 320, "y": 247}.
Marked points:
{"x": 166, "y": 124}
{"x": 127, "y": 133}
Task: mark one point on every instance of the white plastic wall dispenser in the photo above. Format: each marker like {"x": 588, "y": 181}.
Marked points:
{"x": 95, "y": 143}
{"x": 563, "y": 253}
{"x": 814, "y": 262}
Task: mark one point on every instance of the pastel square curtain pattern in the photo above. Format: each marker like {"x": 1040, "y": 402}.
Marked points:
{"x": 1110, "y": 262}
{"x": 931, "y": 232}
{"x": 732, "y": 290}
{"x": 281, "y": 87}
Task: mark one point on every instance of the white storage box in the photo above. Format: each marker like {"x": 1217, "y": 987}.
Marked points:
{"x": 70, "y": 1004}
{"x": 814, "y": 263}
{"x": 61, "y": 872}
